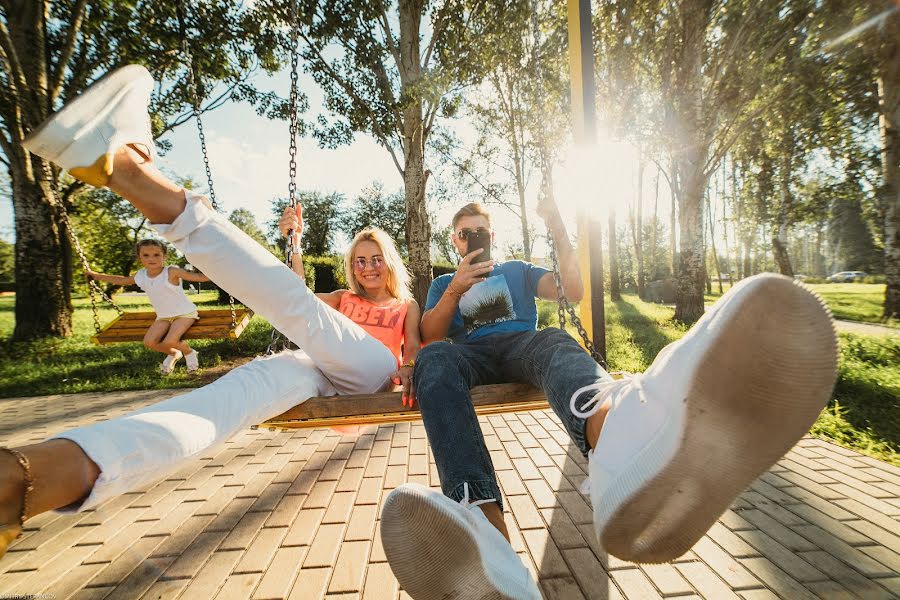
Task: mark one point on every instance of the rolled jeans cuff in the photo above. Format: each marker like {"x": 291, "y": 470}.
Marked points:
{"x": 197, "y": 211}
{"x": 478, "y": 490}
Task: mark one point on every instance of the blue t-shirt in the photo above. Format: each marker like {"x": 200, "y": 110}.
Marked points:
{"x": 504, "y": 302}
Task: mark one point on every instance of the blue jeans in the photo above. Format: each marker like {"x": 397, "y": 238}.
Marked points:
{"x": 548, "y": 359}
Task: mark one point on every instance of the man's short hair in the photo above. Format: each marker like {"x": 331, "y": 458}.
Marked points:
{"x": 473, "y": 209}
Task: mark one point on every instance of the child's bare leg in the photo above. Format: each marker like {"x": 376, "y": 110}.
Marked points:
{"x": 63, "y": 474}
{"x": 155, "y": 336}
{"x": 173, "y": 338}
{"x": 137, "y": 179}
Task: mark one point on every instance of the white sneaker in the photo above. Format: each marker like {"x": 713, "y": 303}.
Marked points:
{"x": 84, "y": 136}
{"x": 438, "y": 548}
{"x": 168, "y": 363}
{"x": 192, "y": 361}
{"x": 715, "y": 410}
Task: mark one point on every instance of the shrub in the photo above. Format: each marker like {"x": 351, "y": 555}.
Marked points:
{"x": 324, "y": 273}
{"x": 874, "y": 279}
{"x": 439, "y": 269}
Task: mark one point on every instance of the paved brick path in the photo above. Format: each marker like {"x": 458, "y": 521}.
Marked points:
{"x": 294, "y": 515}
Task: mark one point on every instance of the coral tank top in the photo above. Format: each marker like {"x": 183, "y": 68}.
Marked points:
{"x": 383, "y": 322}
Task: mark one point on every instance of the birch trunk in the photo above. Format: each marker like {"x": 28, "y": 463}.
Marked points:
{"x": 889, "y": 121}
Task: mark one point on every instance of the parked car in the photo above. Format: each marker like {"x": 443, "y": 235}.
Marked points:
{"x": 847, "y": 277}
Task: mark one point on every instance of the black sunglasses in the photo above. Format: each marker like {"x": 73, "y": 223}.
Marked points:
{"x": 464, "y": 234}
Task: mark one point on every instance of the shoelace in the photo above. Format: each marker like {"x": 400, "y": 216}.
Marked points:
{"x": 628, "y": 381}
{"x": 465, "y": 501}
{"x": 633, "y": 380}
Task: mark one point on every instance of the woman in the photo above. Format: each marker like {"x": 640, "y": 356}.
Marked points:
{"x": 102, "y": 138}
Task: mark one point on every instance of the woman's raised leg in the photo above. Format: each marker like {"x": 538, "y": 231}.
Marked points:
{"x": 83, "y": 467}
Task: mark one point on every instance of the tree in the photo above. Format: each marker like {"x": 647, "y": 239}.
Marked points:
{"x": 698, "y": 63}
{"x": 322, "y": 214}
{"x": 888, "y": 73}
{"x": 49, "y": 51}
{"x": 520, "y": 112}
{"x": 376, "y": 208}
{"x": 388, "y": 72}
{"x": 244, "y": 220}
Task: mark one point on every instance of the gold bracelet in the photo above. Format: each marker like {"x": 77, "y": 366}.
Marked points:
{"x": 410, "y": 363}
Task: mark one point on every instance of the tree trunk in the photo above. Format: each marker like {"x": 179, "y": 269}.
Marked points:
{"x": 639, "y": 231}
{"x": 418, "y": 227}
{"x": 673, "y": 252}
{"x": 748, "y": 254}
{"x": 654, "y": 239}
{"x": 712, "y": 244}
{"x": 819, "y": 258}
{"x": 780, "y": 240}
{"x": 889, "y": 120}
{"x": 692, "y": 144}
{"x": 728, "y": 265}
{"x": 615, "y": 292}
{"x": 43, "y": 298}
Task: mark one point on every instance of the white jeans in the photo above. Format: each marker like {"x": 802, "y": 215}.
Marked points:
{"x": 337, "y": 357}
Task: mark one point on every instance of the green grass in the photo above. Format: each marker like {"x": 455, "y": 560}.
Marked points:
{"x": 849, "y": 301}
{"x": 75, "y": 364}
{"x": 855, "y": 301}
{"x": 863, "y": 415}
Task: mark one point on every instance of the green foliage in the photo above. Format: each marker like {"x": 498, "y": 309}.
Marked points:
{"x": 7, "y": 261}
{"x": 108, "y": 228}
{"x": 244, "y": 220}
{"x": 441, "y": 245}
{"x": 322, "y": 214}
{"x": 374, "y": 207}
{"x": 327, "y": 273}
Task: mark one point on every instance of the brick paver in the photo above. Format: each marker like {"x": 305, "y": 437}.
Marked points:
{"x": 294, "y": 515}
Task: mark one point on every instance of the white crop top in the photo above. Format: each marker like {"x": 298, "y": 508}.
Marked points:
{"x": 168, "y": 300}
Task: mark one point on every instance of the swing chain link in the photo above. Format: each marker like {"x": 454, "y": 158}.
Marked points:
{"x": 277, "y": 339}
{"x": 564, "y": 306}
{"x": 193, "y": 90}
{"x": 93, "y": 287}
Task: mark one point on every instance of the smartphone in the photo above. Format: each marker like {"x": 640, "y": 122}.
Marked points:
{"x": 480, "y": 239}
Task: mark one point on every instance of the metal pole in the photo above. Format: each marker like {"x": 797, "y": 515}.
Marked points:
{"x": 584, "y": 122}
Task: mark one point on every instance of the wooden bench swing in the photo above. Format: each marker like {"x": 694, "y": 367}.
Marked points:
{"x": 217, "y": 323}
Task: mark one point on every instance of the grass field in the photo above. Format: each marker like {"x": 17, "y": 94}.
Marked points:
{"x": 848, "y": 301}
{"x": 864, "y": 413}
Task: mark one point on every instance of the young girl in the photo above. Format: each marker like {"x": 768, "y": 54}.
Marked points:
{"x": 103, "y": 138}
{"x": 174, "y": 312}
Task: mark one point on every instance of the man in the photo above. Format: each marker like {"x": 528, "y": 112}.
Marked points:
{"x": 668, "y": 450}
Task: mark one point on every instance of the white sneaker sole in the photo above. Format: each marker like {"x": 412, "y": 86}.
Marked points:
{"x": 64, "y": 128}
{"x": 432, "y": 552}
{"x": 748, "y": 404}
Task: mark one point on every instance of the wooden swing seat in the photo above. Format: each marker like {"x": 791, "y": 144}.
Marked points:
{"x": 213, "y": 324}
{"x": 386, "y": 407}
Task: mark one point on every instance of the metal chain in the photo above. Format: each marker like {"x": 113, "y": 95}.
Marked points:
{"x": 563, "y": 306}
{"x": 93, "y": 286}
{"x": 277, "y": 339}
{"x": 195, "y": 106}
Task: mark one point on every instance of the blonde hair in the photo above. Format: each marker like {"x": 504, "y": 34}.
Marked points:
{"x": 473, "y": 209}
{"x": 397, "y": 276}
